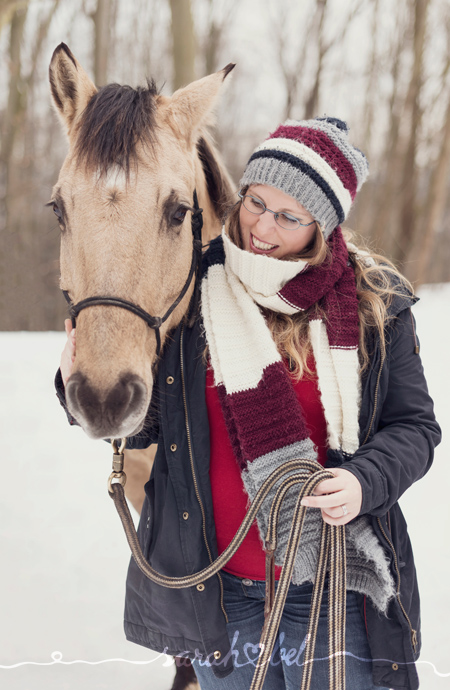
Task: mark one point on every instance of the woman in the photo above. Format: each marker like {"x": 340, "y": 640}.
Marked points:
{"x": 306, "y": 348}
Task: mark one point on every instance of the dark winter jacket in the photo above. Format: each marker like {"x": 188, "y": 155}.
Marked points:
{"x": 398, "y": 435}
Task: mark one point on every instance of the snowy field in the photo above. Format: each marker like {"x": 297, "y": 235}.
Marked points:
{"x": 64, "y": 556}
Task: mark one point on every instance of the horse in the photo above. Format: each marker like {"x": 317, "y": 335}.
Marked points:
{"x": 139, "y": 164}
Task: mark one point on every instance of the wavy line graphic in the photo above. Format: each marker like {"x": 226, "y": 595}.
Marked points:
{"x": 57, "y": 658}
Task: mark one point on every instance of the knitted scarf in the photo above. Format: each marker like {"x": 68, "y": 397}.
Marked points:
{"x": 264, "y": 419}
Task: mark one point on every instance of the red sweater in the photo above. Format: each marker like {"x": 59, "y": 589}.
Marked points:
{"x": 230, "y": 501}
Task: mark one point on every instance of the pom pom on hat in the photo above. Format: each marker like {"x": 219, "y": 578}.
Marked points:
{"x": 312, "y": 161}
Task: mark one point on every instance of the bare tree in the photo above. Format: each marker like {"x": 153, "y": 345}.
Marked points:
{"x": 16, "y": 100}
{"x": 435, "y": 202}
{"x": 17, "y": 238}
{"x": 414, "y": 109}
{"x": 210, "y": 41}
{"x": 102, "y": 39}
{"x": 382, "y": 221}
{"x": 315, "y": 42}
{"x": 184, "y": 43}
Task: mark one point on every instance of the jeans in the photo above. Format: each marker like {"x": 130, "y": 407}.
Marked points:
{"x": 244, "y": 604}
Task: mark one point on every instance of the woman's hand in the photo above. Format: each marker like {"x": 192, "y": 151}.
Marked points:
{"x": 68, "y": 354}
{"x": 332, "y": 494}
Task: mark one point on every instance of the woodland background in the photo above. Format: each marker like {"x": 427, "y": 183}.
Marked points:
{"x": 382, "y": 65}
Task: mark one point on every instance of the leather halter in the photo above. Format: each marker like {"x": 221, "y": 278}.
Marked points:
{"x": 154, "y": 322}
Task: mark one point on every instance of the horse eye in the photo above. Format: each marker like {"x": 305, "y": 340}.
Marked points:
{"x": 57, "y": 213}
{"x": 179, "y": 215}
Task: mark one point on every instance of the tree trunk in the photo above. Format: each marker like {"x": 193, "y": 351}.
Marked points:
{"x": 15, "y": 105}
{"x": 369, "y": 109}
{"x": 435, "y": 203}
{"x": 408, "y": 192}
{"x": 7, "y": 10}
{"x": 312, "y": 101}
{"x": 384, "y": 218}
{"x": 102, "y": 40}
{"x": 184, "y": 43}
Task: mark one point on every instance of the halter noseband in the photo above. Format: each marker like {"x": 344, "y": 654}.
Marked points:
{"x": 154, "y": 322}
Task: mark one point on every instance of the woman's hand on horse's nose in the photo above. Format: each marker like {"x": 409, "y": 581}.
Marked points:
{"x": 68, "y": 354}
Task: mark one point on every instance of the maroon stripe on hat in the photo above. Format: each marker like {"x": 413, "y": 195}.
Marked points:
{"x": 319, "y": 142}
{"x": 263, "y": 419}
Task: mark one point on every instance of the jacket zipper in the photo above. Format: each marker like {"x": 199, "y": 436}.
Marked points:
{"x": 191, "y": 459}
{"x": 383, "y": 357}
{"x": 413, "y": 632}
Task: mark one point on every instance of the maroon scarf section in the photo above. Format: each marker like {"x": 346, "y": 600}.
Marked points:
{"x": 263, "y": 419}
{"x": 332, "y": 287}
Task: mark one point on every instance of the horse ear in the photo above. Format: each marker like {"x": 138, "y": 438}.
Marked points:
{"x": 70, "y": 86}
{"x": 191, "y": 107}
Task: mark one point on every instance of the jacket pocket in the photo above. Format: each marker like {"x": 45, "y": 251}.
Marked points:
{"x": 147, "y": 519}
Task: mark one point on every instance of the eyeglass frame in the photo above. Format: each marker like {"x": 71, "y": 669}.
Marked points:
{"x": 275, "y": 213}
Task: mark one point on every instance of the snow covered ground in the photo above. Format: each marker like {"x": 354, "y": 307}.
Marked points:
{"x": 64, "y": 555}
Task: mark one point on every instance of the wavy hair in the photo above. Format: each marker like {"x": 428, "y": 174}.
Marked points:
{"x": 377, "y": 283}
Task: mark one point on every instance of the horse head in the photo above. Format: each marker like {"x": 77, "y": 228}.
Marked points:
{"x": 124, "y": 200}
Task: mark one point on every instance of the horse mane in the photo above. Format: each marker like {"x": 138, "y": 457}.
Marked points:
{"x": 116, "y": 118}
{"x": 218, "y": 182}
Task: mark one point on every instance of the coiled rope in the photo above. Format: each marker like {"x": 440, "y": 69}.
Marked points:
{"x": 308, "y": 474}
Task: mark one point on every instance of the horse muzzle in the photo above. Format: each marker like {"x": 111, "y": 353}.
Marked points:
{"x": 119, "y": 411}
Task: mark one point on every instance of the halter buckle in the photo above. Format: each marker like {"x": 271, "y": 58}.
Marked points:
{"x": 121, "y": 478}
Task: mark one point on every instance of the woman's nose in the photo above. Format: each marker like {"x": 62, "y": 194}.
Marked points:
{"x": 266, "y": 221}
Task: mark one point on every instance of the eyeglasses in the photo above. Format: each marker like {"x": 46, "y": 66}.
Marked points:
{"x": 283, "y": 219}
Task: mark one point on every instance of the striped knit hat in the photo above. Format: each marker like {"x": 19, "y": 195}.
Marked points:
{"x": 313, "y": 162}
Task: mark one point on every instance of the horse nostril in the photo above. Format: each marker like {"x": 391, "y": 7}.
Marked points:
{"x": 81, "y": 396}
{"x": 125, "y": 398}
{"x": 116, "y": 414}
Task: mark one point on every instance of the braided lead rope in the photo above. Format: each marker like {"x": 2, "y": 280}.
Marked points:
{"x": 309, "y": 474}
{"x": 271, "y": 624}
{"x": 337, "y": 609}
{"x": 117, "y": 494}
{"x": 316, "y": 601}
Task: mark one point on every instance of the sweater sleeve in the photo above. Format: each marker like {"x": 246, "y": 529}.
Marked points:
{"x": 402, "y": 449}
{"x": 148, "y": 434}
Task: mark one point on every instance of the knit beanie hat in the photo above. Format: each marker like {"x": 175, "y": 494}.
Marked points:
{"x": 313, "y": 162}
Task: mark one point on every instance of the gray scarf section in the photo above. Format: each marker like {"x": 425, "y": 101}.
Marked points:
{"x": 368, "y": 569}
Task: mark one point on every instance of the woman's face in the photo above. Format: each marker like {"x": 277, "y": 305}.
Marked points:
{"x": 262, "y": 234}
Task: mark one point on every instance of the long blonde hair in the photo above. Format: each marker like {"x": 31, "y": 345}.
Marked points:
{"x": 377, "y": 282}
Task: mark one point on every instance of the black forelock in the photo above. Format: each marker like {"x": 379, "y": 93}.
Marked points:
{"x": 114, "y": 121}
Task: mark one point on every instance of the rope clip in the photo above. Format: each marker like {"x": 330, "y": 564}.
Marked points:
{"x": 117, "y": 464}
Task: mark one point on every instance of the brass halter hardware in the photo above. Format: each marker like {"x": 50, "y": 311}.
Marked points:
{"x": 117, "y": 465}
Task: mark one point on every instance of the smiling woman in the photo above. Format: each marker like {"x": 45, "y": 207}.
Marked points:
{"x": 274, "y": 233}
{"x": 298, "y": 322}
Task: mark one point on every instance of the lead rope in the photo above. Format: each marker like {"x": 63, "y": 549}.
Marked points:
{"x": 332, "y": 553}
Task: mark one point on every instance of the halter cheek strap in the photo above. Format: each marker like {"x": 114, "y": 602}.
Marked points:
{"x": 154, "y": 322}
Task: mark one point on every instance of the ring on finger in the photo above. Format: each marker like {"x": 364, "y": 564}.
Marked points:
{"x": 344, "y": 510}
